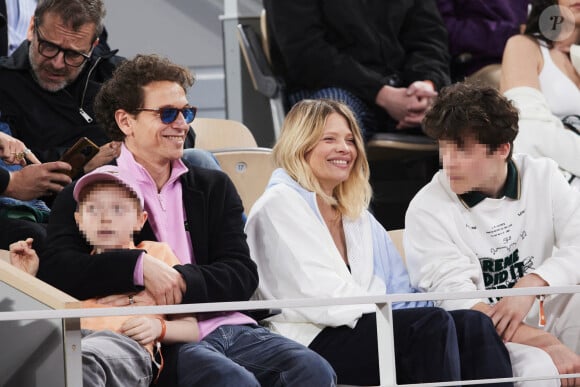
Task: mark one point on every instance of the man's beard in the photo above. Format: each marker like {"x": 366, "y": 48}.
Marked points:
{"x": 71, "y": 74}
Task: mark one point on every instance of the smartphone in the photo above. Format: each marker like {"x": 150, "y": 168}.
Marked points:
{"x": 79, "y": 155}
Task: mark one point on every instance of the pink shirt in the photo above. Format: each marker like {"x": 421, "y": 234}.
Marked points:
{"x": 167, "y": 219}
{"x": 164, "y": 207}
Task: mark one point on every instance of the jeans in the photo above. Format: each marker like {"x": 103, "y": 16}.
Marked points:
{"x": 114, "y": 360}
{"x": 242, "y": 355}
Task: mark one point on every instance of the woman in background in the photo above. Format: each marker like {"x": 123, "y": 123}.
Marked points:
{"x": 539, "y": 76}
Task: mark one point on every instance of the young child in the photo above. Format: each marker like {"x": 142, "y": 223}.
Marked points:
{"x": 109, "y": 212}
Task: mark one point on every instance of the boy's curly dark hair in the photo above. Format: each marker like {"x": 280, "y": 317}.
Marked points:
{"x": 125, "y": 88}
{"x": 466, "y": 109}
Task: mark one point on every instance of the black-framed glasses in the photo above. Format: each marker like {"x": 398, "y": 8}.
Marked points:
{"x": 50, "y": 50}
{"x": 169, "y": 114}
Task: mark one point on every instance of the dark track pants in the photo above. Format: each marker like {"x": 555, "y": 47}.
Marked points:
{"x": 430, "y": 345}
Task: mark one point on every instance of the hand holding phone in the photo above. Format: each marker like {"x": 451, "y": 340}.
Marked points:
{"x": 107, "y": 153}
{"x": 79, "y": 155}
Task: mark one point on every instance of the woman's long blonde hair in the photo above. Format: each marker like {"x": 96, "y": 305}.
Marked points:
{"x": 302, "y": 130}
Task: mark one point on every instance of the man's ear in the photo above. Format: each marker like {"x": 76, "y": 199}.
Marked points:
{"x": 125, "y": 122}
{"x": 96, "y": 43}
{"x": 503, "y": 150}
{"x": 30, "y": 30}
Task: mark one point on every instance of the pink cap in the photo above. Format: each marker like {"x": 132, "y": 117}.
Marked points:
{"x": 106, "y": 173}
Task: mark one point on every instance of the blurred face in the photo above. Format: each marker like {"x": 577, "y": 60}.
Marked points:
{"x": 332, "y": 158}
{"x": 471, "y": 167}
{"x": 108, "y": 217}
{"x": 151, "y": 141}
{"x": 54, "y": 74}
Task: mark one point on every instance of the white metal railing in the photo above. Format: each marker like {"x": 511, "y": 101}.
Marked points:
{"x": 384, "y": 318}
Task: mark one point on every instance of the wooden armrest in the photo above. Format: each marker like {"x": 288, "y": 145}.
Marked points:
{"x": 33, "y": 287}
{"x": 389, "y": 146}
{"x": 403, "y": 141}
{"x": 4, "y": 255}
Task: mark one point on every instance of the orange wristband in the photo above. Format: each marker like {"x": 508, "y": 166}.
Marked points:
{"x": 163, "y": 330}
{"x": 542, "y": 315}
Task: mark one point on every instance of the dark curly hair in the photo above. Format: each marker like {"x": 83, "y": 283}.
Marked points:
{"x": 466, "y": 109}
{"x": 75, "y": 13}
{"x": 125, "y": 88}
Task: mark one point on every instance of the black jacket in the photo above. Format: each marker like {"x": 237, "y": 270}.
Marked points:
{"x": 358, "y": 45}
{"x": 4, "y": 180}
{"x": 3, "y": 29}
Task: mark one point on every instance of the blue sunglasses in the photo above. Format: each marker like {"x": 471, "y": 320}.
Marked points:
{"x": 169, "y": 114}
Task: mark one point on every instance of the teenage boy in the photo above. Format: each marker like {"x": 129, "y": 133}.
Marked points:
{"x": 490, "y": 221}
{"x": 119, "y": 350}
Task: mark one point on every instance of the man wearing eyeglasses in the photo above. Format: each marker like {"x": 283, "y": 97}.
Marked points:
{"x": 46, "y": 96}
{"x": 41, "y": 100}
{"x": 46, "y": 85}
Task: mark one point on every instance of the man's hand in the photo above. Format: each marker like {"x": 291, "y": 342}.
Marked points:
{"x": 566, "y": 361}
{"x": 509, "y": 312}
{"x": 164, "y": 283}
{"x": 423, "y": 95}
{"x": 107, "y": 152}
{"x": 394, "y": 100}
{"x": 13, "y": 151}
{"x": 407, "y": 105}
{"x": 24, "y": 257}
{"x": 143, "y": 330}
{"x": 36, "y": 180}
{"x": 422, "y": 90}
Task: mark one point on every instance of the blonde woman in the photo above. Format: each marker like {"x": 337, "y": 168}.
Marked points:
{"x": 312, "y": 236}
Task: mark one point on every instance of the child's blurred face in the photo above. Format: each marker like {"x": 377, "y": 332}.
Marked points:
{"x": 108, "y": 217}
